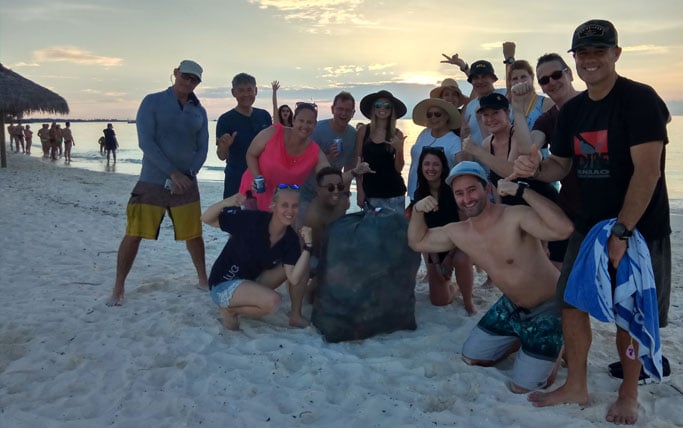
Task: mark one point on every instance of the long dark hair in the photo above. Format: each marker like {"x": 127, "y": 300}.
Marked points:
{"x": 289, "y": 121}
{"x": 422, "y": 190}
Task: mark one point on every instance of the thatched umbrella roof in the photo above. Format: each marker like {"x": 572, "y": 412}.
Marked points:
{"x": 19, "y": 95}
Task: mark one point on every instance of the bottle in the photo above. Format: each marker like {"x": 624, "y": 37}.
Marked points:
{"x": 250, "y": 202}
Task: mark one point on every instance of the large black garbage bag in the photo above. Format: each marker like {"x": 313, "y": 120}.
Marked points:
{"x": 366, "y": 277}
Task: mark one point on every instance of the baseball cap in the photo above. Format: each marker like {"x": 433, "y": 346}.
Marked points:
{"x": 493, "y": 100}
{"x": 190, "y": 67}
{"x": 467, "y": 168}
{"x": 596, "y": 32}
{"x": 481, "y": 67}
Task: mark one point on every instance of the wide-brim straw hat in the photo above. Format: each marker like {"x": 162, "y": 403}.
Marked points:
{"x": 420, "y": 112}
{"x": 450, "y": 84}
{"x": 366, "y": 104}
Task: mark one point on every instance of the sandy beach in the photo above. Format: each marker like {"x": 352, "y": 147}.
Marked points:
{"x": 164, "y": 360}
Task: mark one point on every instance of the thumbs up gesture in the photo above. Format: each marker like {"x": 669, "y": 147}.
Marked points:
{"x": 526, "y": 165}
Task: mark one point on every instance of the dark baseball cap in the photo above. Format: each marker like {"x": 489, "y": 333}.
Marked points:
{"x": 596, "y": 32}
{"x": 493, "y": 100}
{"x": 481, "y": 67}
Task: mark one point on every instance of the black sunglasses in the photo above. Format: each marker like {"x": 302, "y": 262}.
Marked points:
{"x": 303, "y": 104}
{"x": 436, "y": 114}
{"x": 330, "y": 187}
{"x": 556, "y": 75}
{"x": 433, "y": 149}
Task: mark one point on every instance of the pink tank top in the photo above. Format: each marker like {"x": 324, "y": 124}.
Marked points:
{"x": 277, "y": 166}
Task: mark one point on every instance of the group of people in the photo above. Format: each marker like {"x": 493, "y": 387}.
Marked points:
{"x": 55, "y": 141}
{"x": 481, "y": 188}
{"x": 18, "y": 135}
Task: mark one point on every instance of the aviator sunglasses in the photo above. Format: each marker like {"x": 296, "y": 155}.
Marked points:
{"x": 288, "y": 186}
{"x": 556, "y": 75}
{"x": 436, "y": 114}
{"x": 385, "y": 105}
{"x": 330, "y": 187}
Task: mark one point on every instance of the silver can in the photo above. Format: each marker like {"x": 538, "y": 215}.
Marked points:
{"x": 260, "y": 184}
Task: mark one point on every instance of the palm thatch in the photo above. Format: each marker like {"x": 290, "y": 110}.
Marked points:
{"x": 19, "y": 96}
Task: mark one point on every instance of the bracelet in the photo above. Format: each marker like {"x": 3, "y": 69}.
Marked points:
{"x": 308, "y": 247}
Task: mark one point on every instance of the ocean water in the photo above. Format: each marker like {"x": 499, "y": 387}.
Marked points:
{"x": 129, "y": 156}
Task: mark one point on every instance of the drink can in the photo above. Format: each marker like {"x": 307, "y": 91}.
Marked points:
{"x": 339, "y": 143}
{"x": 260, "y": 184}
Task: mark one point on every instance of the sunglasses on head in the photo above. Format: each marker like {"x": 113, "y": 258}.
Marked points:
{"x": 288, "y": 186}
{"x": 303, "y": 104}
{"x": 191, "y": 77}
{"x": 385, "y": 105}
{"x": 433, "y": 149}
{"x": 331, "y": 187}
{"x": 436, "y": 114}
{"x": 556, "y": 75}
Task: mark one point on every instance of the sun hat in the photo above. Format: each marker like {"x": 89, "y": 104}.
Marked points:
{"x": 493, "y": 100}
{"x": 481, "y": 67}
{"x": 421, "y": 109}
{"x": 191, "y": 67}
{"x": 366, "y": 104}
{"x": 596, "y": 32}
{"x": 450, "y": 84}
{"x": 467, "y": 168}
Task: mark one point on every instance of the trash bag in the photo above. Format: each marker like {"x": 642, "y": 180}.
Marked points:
{"x": 366, "y": 277}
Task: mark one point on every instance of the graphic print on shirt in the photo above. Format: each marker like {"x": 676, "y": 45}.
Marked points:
{"x": 591, "y": 154}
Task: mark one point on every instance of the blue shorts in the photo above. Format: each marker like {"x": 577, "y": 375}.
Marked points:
{"x": 222, "y": 292}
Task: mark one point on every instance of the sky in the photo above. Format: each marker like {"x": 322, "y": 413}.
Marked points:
{"x": 104, "y": 56}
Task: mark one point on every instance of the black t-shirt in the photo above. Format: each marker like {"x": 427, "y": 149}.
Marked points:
{"x": 448, "y": 209}
{"x": 598, "y": 136}
{"x": 248, "y": 252}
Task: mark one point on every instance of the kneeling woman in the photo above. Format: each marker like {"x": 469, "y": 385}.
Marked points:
{"x": 432, "y": 171}
{"x": 263, "y": 252}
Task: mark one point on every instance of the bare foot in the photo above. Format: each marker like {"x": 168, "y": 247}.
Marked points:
{"x": 203, "y": 286}
{"x": 230, "y": 320}
{"x": 562, "y": 395}
{"x": 470, "y": 308}
{"x": 298, "y": 322}
{"x": 624, "y": 411}
{"x": 116, "y": 298}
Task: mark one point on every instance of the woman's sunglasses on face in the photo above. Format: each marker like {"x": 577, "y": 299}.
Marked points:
{"x": 436, "y": 114}
{"x": 385, "y": 105}
{"x": 288, "y": 186}
{"x": 556, "y": 75}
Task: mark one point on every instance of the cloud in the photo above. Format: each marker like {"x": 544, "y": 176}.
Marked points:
{"x": 653, "y": 49}
{"x": 74, "y": 55}
{"x": 341, "y": 70}
{"x": 26, "y": 64}
{"x": 318, "y": 13}
{"x": 104, "y": 93}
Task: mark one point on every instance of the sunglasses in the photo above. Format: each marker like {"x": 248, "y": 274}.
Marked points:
{"x": 288, "y": 186}
{"x": 556, "y": 75}
{"x": 433, "y": 149}
{"x": 330, "y": 187}
{"x": 191, "y": 77}
{"x": 436, "y": 114}
{"x": 385, "y": 105}
{"x": 302, "y": 104}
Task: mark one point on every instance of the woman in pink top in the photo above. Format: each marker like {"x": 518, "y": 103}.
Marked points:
{"x": 287, "y": 155}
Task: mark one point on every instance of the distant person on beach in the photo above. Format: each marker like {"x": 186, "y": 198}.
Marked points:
{"x": 28, "y": 136}
{"x": 111, "y": 144}
{"x": 282, "y": 114}
{"x": 59, "y": 140}
{"x": 380, "y": 144}
{"x": 505, "y": 241}
{"x": 262, "y": 253}
{"x": 44, "y": 135}
{"x": 613, "y": 135}
{"x": 173, "y": 134}
{"x": 10, "y": 132}
{"x": 19, "y": 137}
{"x": 68, "y": 141}
{"x": 236, "y": 129}
{"x": 53, "y": 135}
{"x": 100, "y": 141}
{"x": 337, "y": 139}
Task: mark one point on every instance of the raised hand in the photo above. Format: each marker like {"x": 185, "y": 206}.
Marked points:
{"x": 454, "y": 59}
{"x": 507, "y": 188}
{"x": 426, "y": 205}
{"x": 275, "y": 84}
{"x": 362, "y": 168}
{"x": 306, "y": 234}
{"x": 509, "y": 49}
{"x": 526, "y": 165}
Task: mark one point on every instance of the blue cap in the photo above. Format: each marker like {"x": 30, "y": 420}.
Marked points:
{"x": 467, "y": 168}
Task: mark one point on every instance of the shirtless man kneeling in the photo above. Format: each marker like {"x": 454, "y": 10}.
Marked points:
{"x": 506, "y": 242}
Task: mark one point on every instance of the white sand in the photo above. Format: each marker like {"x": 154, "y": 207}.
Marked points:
{"x": 163, "y": 360}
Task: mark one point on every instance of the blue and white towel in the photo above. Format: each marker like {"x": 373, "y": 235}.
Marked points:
{"x": 634, "y": 306}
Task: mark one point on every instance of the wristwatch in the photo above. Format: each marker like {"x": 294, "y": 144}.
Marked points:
{"x": 621, "y": 231}
{"x": 509, "y": 60}
{"x": 521, "y": 186}
{"x": 308, "y": 248}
